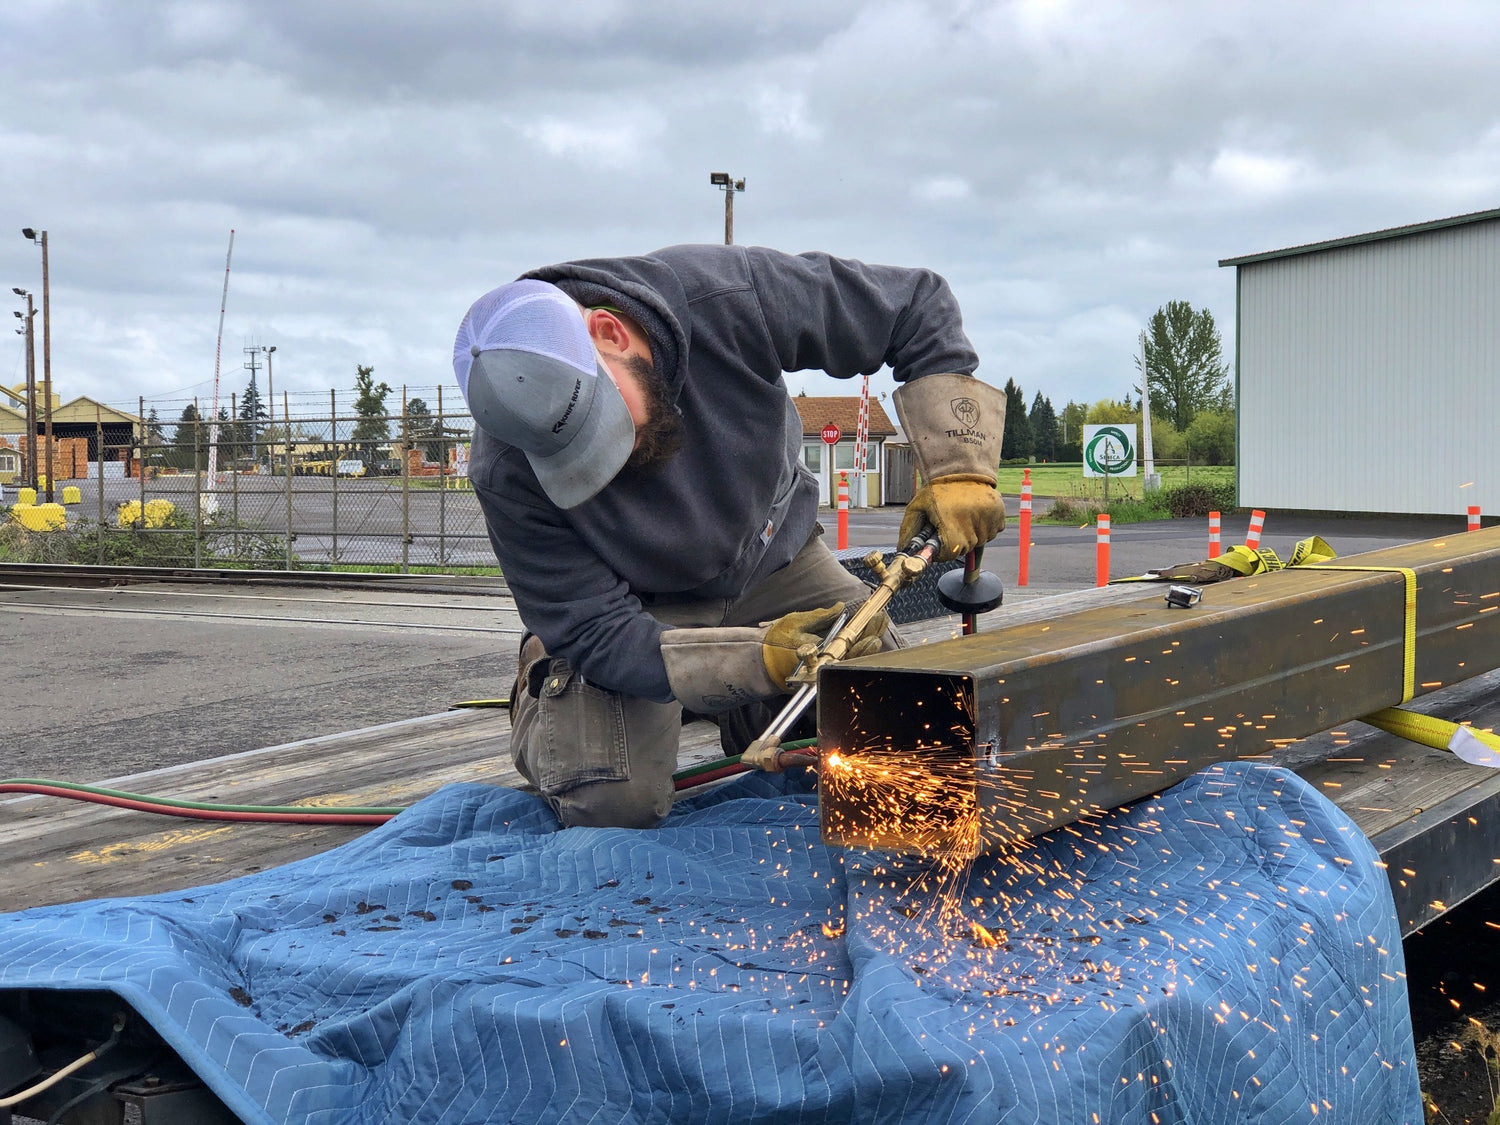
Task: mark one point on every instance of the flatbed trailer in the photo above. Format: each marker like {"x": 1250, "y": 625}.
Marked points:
{"x": 1431, "y": 816}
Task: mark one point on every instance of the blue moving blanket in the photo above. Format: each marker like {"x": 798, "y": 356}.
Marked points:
{"x": 1227, "y": 951}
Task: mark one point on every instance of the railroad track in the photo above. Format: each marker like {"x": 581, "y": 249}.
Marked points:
{"x": 438, "y": 603}
{"x": 70, "y": 575}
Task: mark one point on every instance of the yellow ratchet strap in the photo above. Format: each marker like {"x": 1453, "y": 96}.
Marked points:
{"x": 1409, "y": 640}
{"x": 1429, "y": 730}
{"x": 1243, "y": 562}
{"x": 1312, "y": 551}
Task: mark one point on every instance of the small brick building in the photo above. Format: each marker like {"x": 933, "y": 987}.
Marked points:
{"x": 817, "y": 412}
{"x": 76, "y": 429}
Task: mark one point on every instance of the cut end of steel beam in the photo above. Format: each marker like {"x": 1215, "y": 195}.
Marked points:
{"x": 972, "y": 744}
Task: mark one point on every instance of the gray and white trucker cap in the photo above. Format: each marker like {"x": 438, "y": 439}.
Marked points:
{"x": 532, "y": 379}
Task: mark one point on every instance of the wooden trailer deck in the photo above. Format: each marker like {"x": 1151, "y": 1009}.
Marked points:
{"x": 1431, "y": 816}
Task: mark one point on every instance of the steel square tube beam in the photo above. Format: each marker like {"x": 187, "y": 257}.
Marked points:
{"x": 1028, "y": 728}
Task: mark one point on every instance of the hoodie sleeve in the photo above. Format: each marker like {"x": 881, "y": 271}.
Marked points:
{"x": 572, "y": 600}
{"x": 848, "y": 318}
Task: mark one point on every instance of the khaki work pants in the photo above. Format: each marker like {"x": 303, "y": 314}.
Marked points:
{"x": 604, "y": 759}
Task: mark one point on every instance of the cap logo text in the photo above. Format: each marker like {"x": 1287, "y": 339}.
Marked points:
{"x": 572, "y": 402}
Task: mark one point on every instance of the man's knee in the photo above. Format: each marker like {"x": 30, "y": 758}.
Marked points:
{"x": 636, "y": 803}
{"x": 599, "y": 759}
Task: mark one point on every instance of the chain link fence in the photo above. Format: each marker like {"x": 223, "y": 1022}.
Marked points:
{"x": 316, "y": 490}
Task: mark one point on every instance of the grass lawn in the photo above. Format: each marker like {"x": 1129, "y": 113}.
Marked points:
{"x": 1068, "y": 480}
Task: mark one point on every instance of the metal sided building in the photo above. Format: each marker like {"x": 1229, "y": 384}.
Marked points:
{"x": 1368, "y": 371}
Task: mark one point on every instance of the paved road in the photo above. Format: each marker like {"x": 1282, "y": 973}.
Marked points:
{"x": 1063, "y": 558}
{"x": 104, "y": 683}
{"x": 107, "y": 685}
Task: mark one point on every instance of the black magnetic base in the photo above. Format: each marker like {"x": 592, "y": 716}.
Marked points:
{"x": 980, "y": 595}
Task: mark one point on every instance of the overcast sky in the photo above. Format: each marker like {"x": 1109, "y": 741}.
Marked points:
{"x": 1069, "y": 167}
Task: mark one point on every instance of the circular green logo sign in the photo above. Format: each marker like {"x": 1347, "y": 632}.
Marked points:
{"x": 1108, "y": 452}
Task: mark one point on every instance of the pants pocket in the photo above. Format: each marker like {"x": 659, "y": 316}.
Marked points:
{"x": 583, "y": 733}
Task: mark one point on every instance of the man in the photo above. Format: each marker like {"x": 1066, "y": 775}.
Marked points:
{"x": 638, "y": 461}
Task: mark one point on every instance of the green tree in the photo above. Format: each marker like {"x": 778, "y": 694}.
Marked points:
{"x": 253, "y": 415}
{"x": 230, "y": 443}
{"x": 1107, "y": 412}
{"x": 189, "y": 441}
{"x": 1211, "y": 437}
{"x": 1071, "y": 421}
{"x": 1043, "y": 423}
{"x": 422, "y": 429}
{"x": 1017, "y": 440}
{"x": 252, "y": 409}
{"x": 373, "y": 426}
{"x": 1185, "y": 362}
{"x": 153, "y": 440}
{"x": 1166, "y": 443}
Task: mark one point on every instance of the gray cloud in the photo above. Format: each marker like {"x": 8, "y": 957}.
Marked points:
{"x": 1068, "y": 166}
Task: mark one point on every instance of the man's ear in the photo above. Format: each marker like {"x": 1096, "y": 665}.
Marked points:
{"x": 607, "y": 331}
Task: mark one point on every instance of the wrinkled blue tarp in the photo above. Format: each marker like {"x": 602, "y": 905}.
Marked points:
{"x": 1226, "y": 951}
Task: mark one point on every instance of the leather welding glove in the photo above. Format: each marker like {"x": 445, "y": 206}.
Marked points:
{"x": 787, "y": 635}
{"x": 965, "y": 510}
{"x": 712, "y": 670}
{"x": 955, "y": 424}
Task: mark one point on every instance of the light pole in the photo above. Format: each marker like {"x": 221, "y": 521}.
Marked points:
{"x": 271, "y": 391}
{"x": 722, "y": 180}
{"x": 1153, "y": 480}
{"x": 29, "y": 331}
{"x": 46, "y": 349}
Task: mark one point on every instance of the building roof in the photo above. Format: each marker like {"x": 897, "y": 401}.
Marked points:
{"x": 12, "y": 421}
{"x": 81, "y": 409}
{"x": 816, "y": 411}
{"x": 1372, "y": 236}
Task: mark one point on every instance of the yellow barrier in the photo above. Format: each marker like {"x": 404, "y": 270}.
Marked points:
{"x": 71, "y": 495}
{"x": 39, "y": 517}
{"x": 26, "y": 496}
{"x": 156, "y": 515}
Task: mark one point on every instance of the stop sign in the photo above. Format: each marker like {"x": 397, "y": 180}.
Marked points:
{"x": 831, "y": 434}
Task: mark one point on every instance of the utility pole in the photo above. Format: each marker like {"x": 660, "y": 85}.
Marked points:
{"x": 46, "y": 348}
{"x": 1152, "y": 481}
{"x": 254, "y": 396}
{"x": 722, "y": 180}
{"x": 271, "y": 394}
{"x": 29, "y": 331}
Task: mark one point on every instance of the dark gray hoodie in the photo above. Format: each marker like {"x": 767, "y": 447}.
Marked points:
{"x": 735, "y": 504}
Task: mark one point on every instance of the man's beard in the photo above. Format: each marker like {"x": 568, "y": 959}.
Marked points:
{"x": 660, "y": 435}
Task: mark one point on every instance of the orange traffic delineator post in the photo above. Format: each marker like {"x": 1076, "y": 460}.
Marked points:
{"x": 1473, "y": 517}
{"x": 1213, "y": 535}
{"x": 1101, "y": 557}
{"x": 843, "y": 525}
{"x": 1024, "y": 573}
{"x": 1257, "y": 525}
